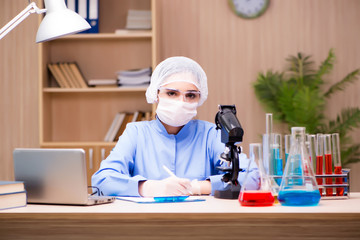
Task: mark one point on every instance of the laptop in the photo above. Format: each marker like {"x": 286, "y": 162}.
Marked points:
{"x": 55, "y": 176}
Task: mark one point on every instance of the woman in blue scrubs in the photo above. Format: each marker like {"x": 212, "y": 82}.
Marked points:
{"x": 187, "y": 147}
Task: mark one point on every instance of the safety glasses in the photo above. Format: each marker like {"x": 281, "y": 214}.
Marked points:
{"x": 188, "y": 96}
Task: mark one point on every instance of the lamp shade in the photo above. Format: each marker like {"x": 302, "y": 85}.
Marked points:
{"x": 59, "y": 21}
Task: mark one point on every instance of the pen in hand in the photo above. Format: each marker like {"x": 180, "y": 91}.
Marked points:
{"x": 173, "y": 175}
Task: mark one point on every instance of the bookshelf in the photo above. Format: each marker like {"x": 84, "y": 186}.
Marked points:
{"x": 80, "y": 117}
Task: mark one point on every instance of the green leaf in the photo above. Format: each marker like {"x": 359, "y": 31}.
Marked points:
{"x": 308, "y": 108}
{"x": 339, "y": 86}
{"x": 346, "y": 121}
{"x": 266, "y": 89}
{"x": 285, "y": 100}
{"x": 350, "y": 155}
{"x": 301, "y": 69}
{"x": 327, "y": 65}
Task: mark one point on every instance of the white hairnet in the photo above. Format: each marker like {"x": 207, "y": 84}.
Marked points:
{"x": 174, "y": 65}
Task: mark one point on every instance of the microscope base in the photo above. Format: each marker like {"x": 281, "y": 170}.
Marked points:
{"x": 232, "y": 193}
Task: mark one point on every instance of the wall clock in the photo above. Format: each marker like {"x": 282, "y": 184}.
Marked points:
{"x": 249, "y": 8}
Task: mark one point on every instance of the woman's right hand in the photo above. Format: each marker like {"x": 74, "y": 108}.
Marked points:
{"x": 171, "y": 186}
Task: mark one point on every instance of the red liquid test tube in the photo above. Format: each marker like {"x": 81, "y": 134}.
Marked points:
{"x": 337, "y": 162}
{"x": 319, "y": 169}
{"x": 328, "y": 162}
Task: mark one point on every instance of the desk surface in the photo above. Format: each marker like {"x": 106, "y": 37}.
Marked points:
{"x": 211, "y": 205}
{"x": 211, "y": 219}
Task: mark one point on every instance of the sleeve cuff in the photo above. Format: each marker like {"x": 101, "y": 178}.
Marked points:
{"x": 118, "y": 188}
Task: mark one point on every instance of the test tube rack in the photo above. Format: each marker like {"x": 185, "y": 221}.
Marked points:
{"x": 346, "y": 185}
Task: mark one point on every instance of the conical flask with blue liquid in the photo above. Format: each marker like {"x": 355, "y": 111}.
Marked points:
{"x": 298, "y": 186}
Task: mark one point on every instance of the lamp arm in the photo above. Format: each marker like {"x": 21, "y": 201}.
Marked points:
{"x": 31, "y": 8}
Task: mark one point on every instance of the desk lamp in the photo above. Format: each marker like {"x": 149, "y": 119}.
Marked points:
{"x": 58, "y": 21}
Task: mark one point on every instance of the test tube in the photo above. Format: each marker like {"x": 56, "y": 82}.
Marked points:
{"x": 328, "y": 162}
{"x": 267, "y": 144}
{"x": 287, "y": 145}
{"x": 269, "y": 123}
{"x": 312, "y": 149}
{"x": 337, "y": 161}
{"x": 277, "y": 157}
{"x": 319, "y": 159}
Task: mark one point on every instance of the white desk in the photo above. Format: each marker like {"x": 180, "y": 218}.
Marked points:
{"x": 212, "y": 219}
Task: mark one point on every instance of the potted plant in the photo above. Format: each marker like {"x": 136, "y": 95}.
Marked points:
{"x": 297, "y": 97}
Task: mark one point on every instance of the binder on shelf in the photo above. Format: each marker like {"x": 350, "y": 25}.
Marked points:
{"x": 89, "y": 10}
{"x": 93, "y": 16}
{"x": 81, "y": 9}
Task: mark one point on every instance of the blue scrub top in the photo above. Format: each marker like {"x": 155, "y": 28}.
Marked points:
{"x": 145, "y": 147}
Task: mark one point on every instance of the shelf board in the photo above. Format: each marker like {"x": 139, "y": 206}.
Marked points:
{"x": 125, "y": 34}
{"x": 94, "y": 90}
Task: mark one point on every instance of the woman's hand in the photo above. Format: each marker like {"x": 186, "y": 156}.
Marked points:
{"x": 172, "y": 186}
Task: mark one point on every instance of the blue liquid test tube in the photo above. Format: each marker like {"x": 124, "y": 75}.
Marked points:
{"x": 277, "y": 156}
{"x": 287, "y": 138}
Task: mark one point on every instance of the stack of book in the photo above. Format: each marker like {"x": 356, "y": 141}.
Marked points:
{"x": 138, "y": 19}
{"x": 120, "y": 121}
{"x": 67, "y": 75}
{"x": 12, "y": 194}
{"x": 134, "y": 77}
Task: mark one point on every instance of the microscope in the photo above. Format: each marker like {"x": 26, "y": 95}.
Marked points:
{"x": 231, "y": 133}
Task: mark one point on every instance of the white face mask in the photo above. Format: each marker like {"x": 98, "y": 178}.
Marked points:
{"x": 174, "y": 112}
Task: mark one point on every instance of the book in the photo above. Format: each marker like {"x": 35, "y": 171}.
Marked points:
{"x": 72, "y": 75}
{"x": 11, "y": 186}
{"x": 12, "y": 194}
{"x": 13, "y": 200}
{"x": 63, "y": 78}
{"x": 138, "y": 116}
{"x": 67, "y": 75}
{"x": 56, "y": 76}
{"x": 134, "y": 77}
{"x": 114, "y": 127}
{"x": 148, "y": 116}
{"x": 128, "y": 118}
{"x": 135, "y": 72}
{"x": 140, "y": 80}
{"x": 118, "y": 123}
{"x": 138, "y": 19}
{"x": 75, "y": 69}
{"x": 102, "y": 82}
